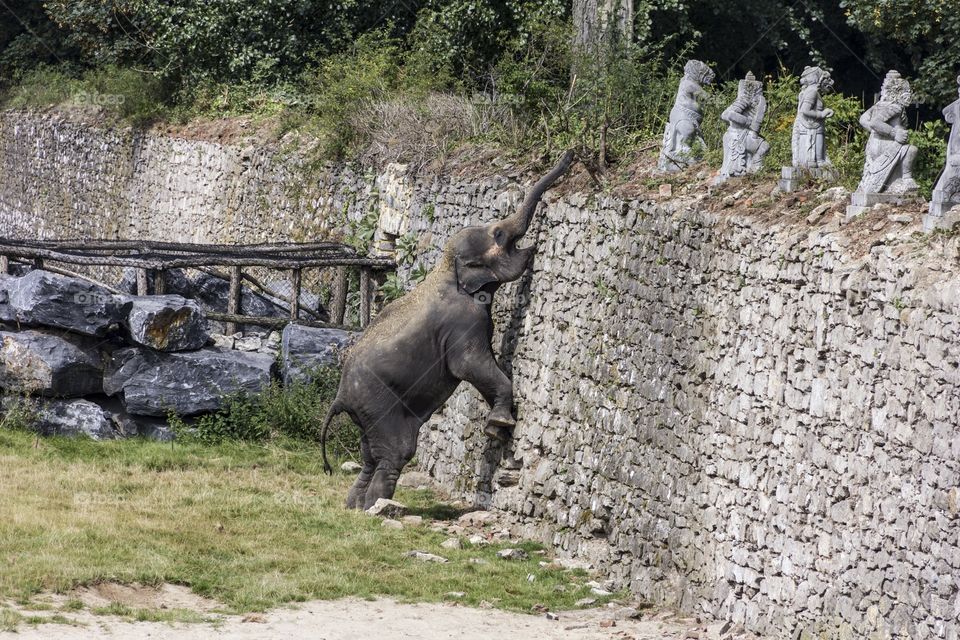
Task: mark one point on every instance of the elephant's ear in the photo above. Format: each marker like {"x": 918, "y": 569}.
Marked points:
{"x": 470, "y": 278}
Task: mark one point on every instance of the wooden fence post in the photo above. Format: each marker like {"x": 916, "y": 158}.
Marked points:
{"x": 295, "y": 276}
{"x": 160, "y": 282}
{"x": 365, "y": 295}
{"x": 233, "y": 301}
{"x": 141, "y": 282}
{"x": 338, "y": 296}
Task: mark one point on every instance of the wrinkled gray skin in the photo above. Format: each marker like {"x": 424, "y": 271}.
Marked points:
{"x": 420, "y": 347}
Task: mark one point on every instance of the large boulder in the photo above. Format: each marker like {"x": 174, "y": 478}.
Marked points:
{"x": 165, "y": 323}
{"x": 303, "y": 350}
{"x": 74, "y": 418}
{"x": 152, "y": 383}
{"x": 38, "y": 363}
{"x": 51, "y": 300}
{"x": 214, "y": 294}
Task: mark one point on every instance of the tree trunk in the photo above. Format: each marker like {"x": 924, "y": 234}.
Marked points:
{"x": 601, "y": 24}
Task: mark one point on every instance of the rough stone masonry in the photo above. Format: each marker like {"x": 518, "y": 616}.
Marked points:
{"x": 739, "y": 414}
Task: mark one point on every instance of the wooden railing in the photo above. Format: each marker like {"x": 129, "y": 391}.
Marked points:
{"x": 153, "y": 259}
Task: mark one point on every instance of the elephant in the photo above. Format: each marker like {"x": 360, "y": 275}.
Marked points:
{"x": 419, "y": 348}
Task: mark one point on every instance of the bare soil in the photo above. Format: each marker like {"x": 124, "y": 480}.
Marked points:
{"x": 352, "y": 619}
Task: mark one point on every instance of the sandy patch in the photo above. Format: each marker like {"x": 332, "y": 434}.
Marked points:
{"x": 352, "y": 619}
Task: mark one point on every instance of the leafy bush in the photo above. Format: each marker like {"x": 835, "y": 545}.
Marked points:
{"x": 17, "y": 413}
{"x": 295, "y": 411}
{"x": 130, "y": 96}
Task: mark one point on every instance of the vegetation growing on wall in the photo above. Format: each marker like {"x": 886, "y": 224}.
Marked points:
{"x": 412, "y": 80}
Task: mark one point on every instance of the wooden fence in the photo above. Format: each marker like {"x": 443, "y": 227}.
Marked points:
{"x": 153, "y": 259}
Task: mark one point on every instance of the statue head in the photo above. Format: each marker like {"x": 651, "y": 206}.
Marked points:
{"x": 749, "y": 89}
{"x": 816, "y": 76}
{"x": 896, "y": 89}
{"x": 698, "y": 72}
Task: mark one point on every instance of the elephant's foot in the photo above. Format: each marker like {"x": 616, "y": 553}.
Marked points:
{"x": 500, "y": 434}
{"x": 501, "y": 417}
{"x": 499, "y": 423}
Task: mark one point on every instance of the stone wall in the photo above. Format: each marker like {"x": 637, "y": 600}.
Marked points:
{"x": 737, "y": 411}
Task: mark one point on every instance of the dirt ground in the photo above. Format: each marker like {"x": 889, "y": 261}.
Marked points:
{"x": 353, "y": 619}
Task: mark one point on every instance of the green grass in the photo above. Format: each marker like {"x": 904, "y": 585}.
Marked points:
{"x": 251, "y": 526}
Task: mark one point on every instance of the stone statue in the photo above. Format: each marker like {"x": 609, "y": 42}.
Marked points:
{"x": 743, "y": 146}
{"x": 809, "y": 131}
{"x": 683, "y": 130}
{"x": 946, "y": 195}
{"x": 888, "y": 169}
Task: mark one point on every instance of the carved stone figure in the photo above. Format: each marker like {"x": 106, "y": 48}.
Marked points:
{"x": 809, "y": 131}
{"x": 888, "y": 169}
{"x": 743, "y": 146}
{"x": 419, "y": 348}
{"x": 682, "y": 132}
{"x": 946, "y": 195}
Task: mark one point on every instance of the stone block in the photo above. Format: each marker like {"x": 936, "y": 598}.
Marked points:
{"x": 153, "y": 383}
{"x": 73, "y": 418}
{"x": 49, "y": 364}
{"x": 165, "y": 323}
{"x": 41, "y": 298}
{"x": 305, "y": 349}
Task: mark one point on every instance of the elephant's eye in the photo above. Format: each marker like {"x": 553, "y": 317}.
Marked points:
{"x": 498, "y": 235}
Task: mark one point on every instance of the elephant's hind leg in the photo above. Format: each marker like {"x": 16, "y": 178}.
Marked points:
{"x": 358, "y": 492}
{"x": 393, "y": 445}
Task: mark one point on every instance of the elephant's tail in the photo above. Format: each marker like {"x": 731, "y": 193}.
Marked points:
{"x": 335, "y": 409}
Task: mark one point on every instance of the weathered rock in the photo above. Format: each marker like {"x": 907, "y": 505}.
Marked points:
{"x": 165, "y": 323}
{"x": 413, "y": 521}
{"x": 213, "y": 294}
{"x": 47, "y": 299}
{"x": 513, "y": 554}
{"x": 39, "y": 363}
{"x": 390, "y": 523}
{"x": 452, "y": 543}
{"x": 351, "y": 467}
{"x": 304, "y": 350}
{"x": 423, "y": 556}
{"x": 74, "y": 418}
{"x": 476, "y": 518}
{"x": 386, "y": 508}
{"x": 478, "y": 540}
{"x": 415, "y": 480}
{"x": 156, "y": 384}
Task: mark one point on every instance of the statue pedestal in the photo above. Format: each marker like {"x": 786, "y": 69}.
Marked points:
{"x": 862, "y": 202}
{"x": 791, "y": 178}
{"x": 943, "y": 212}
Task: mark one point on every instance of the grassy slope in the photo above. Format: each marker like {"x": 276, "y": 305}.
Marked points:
{"x": 250, "y": 526}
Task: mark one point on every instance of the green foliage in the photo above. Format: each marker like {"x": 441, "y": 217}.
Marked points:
{"x": 294, "y": 411}
{"x": 931, "y": 145}
{"x": 130, "y": 96}
{"x": 363, "y": 231}
{"x": 407, "y": 248}
{"x": 419, "y": 274}
{"x": 928, "y": 33}
{"x": 392, "y": 288}
{"x": 18, "y": 413}
{"x": 846, "y": 139}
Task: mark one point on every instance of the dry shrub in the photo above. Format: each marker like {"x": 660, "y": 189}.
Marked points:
{"x": 420, "y": 132}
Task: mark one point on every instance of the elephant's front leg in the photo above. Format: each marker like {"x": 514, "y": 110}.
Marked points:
{"x": 479, "y": 368}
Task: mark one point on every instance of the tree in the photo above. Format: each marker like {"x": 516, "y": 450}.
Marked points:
{"x": 928, "y": 31}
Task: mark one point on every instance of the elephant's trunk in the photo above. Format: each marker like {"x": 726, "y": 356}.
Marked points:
{"x": 517, "y": 224}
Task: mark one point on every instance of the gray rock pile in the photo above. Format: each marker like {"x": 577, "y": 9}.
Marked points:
{"x": 108, "y": 365}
